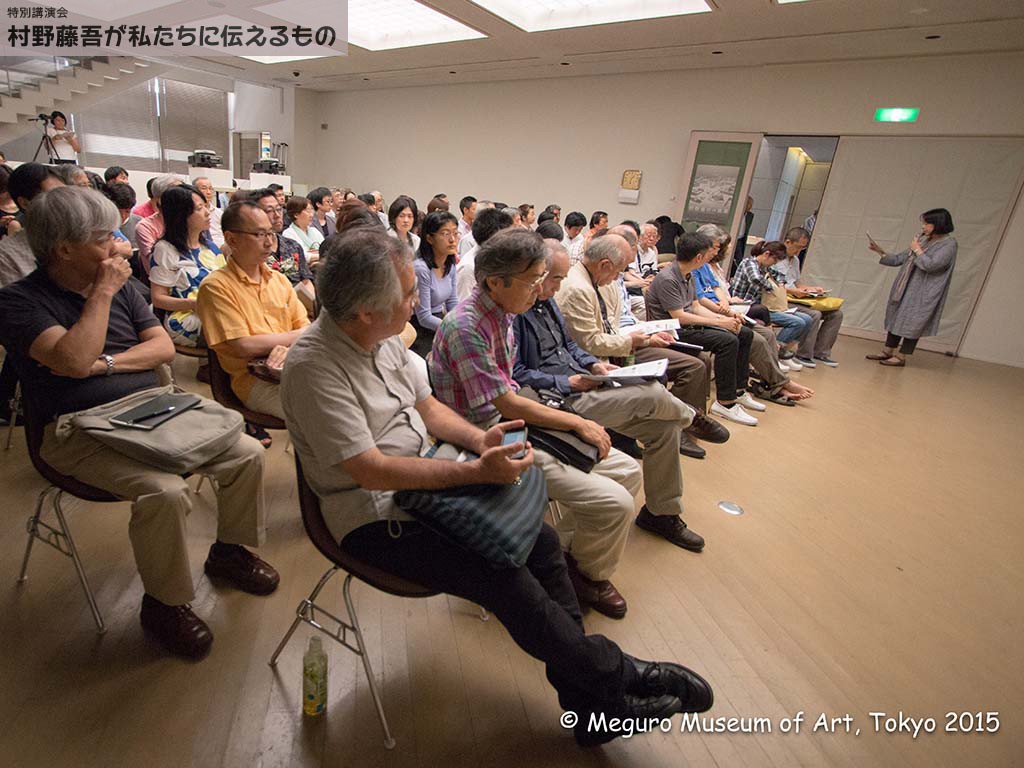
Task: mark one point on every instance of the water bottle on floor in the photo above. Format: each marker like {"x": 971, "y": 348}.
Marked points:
{"x": 314, "y": 678}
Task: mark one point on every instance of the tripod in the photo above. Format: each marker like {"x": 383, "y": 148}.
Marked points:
{"x": 45, "y": 141}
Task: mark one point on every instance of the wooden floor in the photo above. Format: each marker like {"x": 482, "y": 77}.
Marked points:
{"x": 878, "y": 568}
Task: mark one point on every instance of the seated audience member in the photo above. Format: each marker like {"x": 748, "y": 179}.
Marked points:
{"x": 593, "y": 318}
{"x": 25, "y": 183}
{"x": 674, "y": 295}
{"x": 323, "y": 211}
{"x": 575, "y": 240}
{"x": 773, "y": 383}
{"x": 435, "y": 278}
{"x": 205, "y": 187}
{"x": 546, "y": 216}
{"x": 551, "y": 230}
{"x": 115, "y": 174}
{"x": 146, "y": 209}
{"x": 248, "y": 310}
{"x": 514, "y": 213}
{"x": 754, "y": 281}
{"x": 598, "y": 220}
{"x": 631, "y": 285}
{"x": 181, "y": 260}
{"x": 361, "y": 435}
{"x": 123, "y": 198}
{"x": 547, "y": 358}
{"x": 467, "y": 208}
{"x": 287, "y": 256}
{"x": 402, "y": 217}
{"x": 467, "y": 241}
{"x": 485, "y": 226}
{"x": 438, "y": 204}
{"x": 378, "y": 203}
{"x": 9, "y": 224}
{"x": 151, "y": 229}
{"x": 471, "y": 370}
{"x": 279, "y": 193}
{"x": 555, "y": 210}
{"x": 83, "y": 337}
{"x": 72, "y": 175}
{"x": 354, "y": 213}
{"x": 527, "y": 216}
{"x": 668, "y": 233}
{"x": 300, "y": 211}
{"x": 824, "y": 330}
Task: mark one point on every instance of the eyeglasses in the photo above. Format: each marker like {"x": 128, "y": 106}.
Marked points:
{"x": 272, "y": 209}
{"x": 532, "y": 283}
{"x": 263, "y": 234}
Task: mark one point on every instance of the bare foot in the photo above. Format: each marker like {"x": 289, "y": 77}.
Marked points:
{"x": 795, "y": 391}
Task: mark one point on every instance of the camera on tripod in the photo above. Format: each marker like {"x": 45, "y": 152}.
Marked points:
{"x": 40, "y": 118}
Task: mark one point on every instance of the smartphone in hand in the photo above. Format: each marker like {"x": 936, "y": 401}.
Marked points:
{"x": 516, "y": 436}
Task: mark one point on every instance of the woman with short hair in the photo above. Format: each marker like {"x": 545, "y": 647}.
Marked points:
{"x": 402, "y": 217}
{"x": 919, "y": 292}
{"x": 300, "y": 211}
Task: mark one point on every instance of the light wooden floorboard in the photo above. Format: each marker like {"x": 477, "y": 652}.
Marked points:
{"x": 877, "y": 568}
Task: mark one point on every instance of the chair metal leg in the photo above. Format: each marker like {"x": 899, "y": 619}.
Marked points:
{"x": 33, "y": 527}
{"x": 304, "y": 613}
{"x": 15, "y": 406}
{"x": 484, "y": 615}
{"x": 199, "y": 485}
{"x": 73, "y": 553}
{"x": 389, "y": 742}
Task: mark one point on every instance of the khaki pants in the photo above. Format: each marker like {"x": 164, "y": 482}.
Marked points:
{"x": 651, "y": 415}
{"x": 823, "y": 332}
{"x": 764, "y": 357}
{"x": 161, "y": 501}
{"x": 596, "y": 509}
{"x": 689, "y": 376}
{"x": 265, "y": 397}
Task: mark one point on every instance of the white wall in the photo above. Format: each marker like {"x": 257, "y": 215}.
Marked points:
{"x": 568, "y": 140}
{"x": 262, "y": 108}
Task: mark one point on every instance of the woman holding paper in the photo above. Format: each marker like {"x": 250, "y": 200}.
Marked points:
{"x": 919, "y": 291}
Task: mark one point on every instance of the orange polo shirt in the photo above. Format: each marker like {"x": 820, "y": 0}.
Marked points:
{"x": 232, "y": 305}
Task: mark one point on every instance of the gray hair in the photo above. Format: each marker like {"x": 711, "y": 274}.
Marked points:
{"x": 627, "y": 232}
{"x": 552, "y": 248}
{"x": 512, "y": 212}
{"x": 712, "y": 232}
{"x": 359, "y": 272}
{"x": 162, "y": 183}
{"x": 507, "y": 253}
{"x": 67, "y": 172}
{"x": 67, "y": 215}
{"x": 648, "y": 225}
{"x": 605, "y": 247}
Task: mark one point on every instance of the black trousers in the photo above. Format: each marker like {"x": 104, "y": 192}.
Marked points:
{"x": 732, "y": 356}
{"x": 892, "y": 341}
{"x": 536, "y": 603}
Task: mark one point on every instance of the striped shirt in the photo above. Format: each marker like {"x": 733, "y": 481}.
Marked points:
{"x": 471, "y": 363}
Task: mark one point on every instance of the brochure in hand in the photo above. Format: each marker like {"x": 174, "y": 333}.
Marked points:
{"x": 632, "y": 374}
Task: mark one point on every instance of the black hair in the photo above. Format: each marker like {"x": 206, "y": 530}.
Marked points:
{"x": 259, "y": 194}
{"x": 551, "y": 230}
{"x": 232, "y": 218}
{"x": 940, "y": 219}
{"x": 27, "y": 179}
{"x": 57, "y": 113}
{"x": 113, "y": 172}
{"x": 545, "y": 216}
{"x": 632, "y": 225}
{"x": 466, "y": 202}
{"x": 275, "y": 188}
{"x": 596, "y": 217}
{"x": 96, "y": 181}
{"x": 441, "y": 194}
{"x": 690, "y": 244}
{"x": 316, "y": 197}
{"x": 796, "y": 234}
{"x": 149, "y": 186}
{"x": 398, "y": 205}
{"x": 774, "y": 248}
{"x": 367, "y": 198}
{"x": 176, "y": 205}
{"x": 431, "y": 225}
{"x": 575, "y": 219}
{"x": 552, "y": 208}
{"x": 122, "y": 195}
{"x": 488, "y": 222}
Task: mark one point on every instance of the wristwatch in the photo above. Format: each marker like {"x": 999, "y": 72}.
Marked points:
{"x": 109, "y": 360}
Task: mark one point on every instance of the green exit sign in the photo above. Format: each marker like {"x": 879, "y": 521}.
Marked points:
{"x": 896, "y": 114}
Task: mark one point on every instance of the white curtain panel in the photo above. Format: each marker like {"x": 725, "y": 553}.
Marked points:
{"x": 882, "y": 185}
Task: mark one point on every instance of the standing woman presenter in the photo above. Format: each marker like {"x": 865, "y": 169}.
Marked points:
{"x": 919, "y": 291}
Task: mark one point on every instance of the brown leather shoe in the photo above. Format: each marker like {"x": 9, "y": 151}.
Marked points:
{"x": 176, "y": 628}
{"x": 242, "y": 568}
{"x": 689, "y": 448}
{"x": 709, "y": 430}
{"x": 670, "y": 527}
{"x": 602, "y": 595}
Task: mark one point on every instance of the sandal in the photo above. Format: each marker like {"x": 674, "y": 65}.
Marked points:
{"x": 882, "y": 356}
{"x": 260, "y": 434}
{"x": 893, "y": 362}
{"x": 764, "y": 393}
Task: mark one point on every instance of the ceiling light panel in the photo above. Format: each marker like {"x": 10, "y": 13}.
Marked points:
{"x": 541, "y": 15}
{"x": 381, "y": 25}
{"x": 278, "y": 59}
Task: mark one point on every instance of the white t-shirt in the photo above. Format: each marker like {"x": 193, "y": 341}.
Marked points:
{"x": 62, "y": 147}
{"x": 465, "y": 274}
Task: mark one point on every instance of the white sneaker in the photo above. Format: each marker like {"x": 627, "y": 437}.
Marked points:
{"x": 748, "y": 401}
{"x": 784, "y": 366}
{"x": 794, "y": 365}
{"x": 734, "y": 412}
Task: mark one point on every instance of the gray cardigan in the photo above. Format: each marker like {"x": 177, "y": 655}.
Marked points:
{"x": 917, "y": 313}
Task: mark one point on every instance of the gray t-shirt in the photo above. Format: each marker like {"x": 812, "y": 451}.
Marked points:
{"x": 670, "y": 291}
{"x": 340, "y": 401}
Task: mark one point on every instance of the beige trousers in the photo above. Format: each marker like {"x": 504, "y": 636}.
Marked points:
{"x": 161, "y": 501}
{"x": 650, "y": 414}
{"x": 596, "y": 509}
{"x": 265, "y": 397}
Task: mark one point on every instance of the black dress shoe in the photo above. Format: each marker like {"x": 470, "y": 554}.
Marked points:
{"x": 670, "y": 527}
{"x": 242, "y": 568}
{"x": 689, "y": 448}
{"x": 627, "y": 445}
{"x": 176, "y": 628}
{"x": 602, "y": 595}
{"x": 657, "y": 678}
{"x": 634, "y": 708}
{"x": 707, "y": 429}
